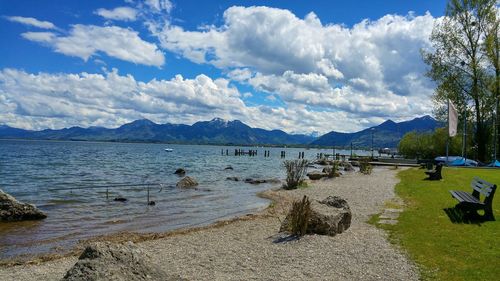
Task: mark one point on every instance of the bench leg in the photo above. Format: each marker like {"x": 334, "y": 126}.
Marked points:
{"x": 473, "y": 214}
{"x": 488, "y": 213}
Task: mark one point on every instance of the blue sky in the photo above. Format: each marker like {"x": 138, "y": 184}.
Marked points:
{"x": 300, "y": 66}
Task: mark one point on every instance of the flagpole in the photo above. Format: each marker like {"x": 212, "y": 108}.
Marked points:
{"x": 464, "y": 138}
{"x": 448, "y": 132}
{"x": 495, "y": 132}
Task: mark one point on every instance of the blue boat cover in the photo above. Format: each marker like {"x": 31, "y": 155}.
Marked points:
{"x": 495, "y": 163}
{"x": 463, "y": 162}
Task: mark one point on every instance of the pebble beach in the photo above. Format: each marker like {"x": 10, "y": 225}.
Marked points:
{"x": 249, "y": 248}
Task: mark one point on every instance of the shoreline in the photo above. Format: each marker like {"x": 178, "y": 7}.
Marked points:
{"x": 136, "y": 237}
{"x": 245, "y": 248}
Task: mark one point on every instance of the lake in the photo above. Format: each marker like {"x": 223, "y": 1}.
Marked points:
{"x": 68, "y": 180}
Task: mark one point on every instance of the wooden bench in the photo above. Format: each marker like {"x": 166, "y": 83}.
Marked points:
{"x": 436, "y": 173}
{"x": 472, "y": 202}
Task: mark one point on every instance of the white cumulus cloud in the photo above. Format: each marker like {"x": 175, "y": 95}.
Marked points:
{"x": 373, "y": 67}
{"x": 84, "y": 41}
{"x": 119, "y": 13}
{"x": 32, "y": 22}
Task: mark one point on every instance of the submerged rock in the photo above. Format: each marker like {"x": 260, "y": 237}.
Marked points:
{"x": 106, "y": 261}
{"x": 187, "y": 182}
{"x": 259, "y": 181}
{"x": 228, "y": 168}
{"x": 120, "y": 199}
{"x": 254, "y": 181}
{"x": 13, "y": 210}
{"x": 232, "y": 179}
{"x": 180, "y": 172}
{"x": 330, "y": 216}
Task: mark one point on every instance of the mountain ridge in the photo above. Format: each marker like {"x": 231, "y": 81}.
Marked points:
{"x": 220, "y": 131}
{"x": 387, "y": 134}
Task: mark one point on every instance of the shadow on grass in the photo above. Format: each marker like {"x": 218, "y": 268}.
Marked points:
{"x": 457, "y": 215}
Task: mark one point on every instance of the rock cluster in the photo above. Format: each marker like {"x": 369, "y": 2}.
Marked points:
{"x": 330, "y": 216}
{"x": 13, "y": 210}
{"x": 106, "y": 261}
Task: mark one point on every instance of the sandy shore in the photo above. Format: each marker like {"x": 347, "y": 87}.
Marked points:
{"x": 247, "y": 249}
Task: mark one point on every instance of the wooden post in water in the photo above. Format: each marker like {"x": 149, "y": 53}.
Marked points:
{"x": 148, "y": 194}
{"x": 107, "y": 194}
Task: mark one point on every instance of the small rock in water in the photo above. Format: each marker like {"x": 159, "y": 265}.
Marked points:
{"x": 228, "y": 168}
{"x": 180, "y": 172}
{"x": 13, "y": 210}
{"x": 187, "y": 182}
{"x": 232, "y": 179}
{"x": 254, "y": 181}
{"x": 120, "y": 199}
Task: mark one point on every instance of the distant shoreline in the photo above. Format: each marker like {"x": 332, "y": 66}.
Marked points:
{"x": 187, "y": 143}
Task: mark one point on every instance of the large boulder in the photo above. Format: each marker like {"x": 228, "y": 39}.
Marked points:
{"x": 107, "y": 261}
{"x": 330, "y": 216}
{"x": 13, "y": 210}
{"x": 316, "y": 175}
{"x": 187, "y": 182}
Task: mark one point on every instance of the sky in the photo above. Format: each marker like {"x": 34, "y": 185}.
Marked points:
{"x": 299, "y": 66}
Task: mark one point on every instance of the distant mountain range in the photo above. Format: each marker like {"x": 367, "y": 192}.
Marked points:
{"x": 387, "y": 134}
{"x": 219, "y": 131}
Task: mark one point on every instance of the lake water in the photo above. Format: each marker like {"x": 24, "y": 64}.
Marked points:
{"x": 63, "y": 179}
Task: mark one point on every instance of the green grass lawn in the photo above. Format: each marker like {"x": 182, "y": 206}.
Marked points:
{"x": 445, "y": 250}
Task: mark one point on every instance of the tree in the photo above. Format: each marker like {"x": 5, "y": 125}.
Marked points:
{"x": 492, "y": 48}
{"x": 458, "y": 63}
{"x": 428, "y": 145}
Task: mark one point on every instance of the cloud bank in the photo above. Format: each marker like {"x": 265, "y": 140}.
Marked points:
{"x": 309, "y": 76}
{"x": 43, "y": 100}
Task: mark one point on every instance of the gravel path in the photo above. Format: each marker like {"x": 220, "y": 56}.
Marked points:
{"x": 246, "y": 250}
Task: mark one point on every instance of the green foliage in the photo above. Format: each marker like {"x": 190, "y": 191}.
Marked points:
{"x": 429, "y": 145}
{"x": 442, "y": 249}
{"x": 460, "y": 66}
{"x": 295, "y": 172}
{"x": 364, "y": 166}
{"x": 333, "y": 171}
{"x": 299, "y": 216}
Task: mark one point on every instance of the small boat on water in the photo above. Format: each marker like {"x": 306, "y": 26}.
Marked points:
{"x": 169, "y": 149}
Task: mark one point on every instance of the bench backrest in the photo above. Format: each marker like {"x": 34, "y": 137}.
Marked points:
{"x": 482, "y": 186}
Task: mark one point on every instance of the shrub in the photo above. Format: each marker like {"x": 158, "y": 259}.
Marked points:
{"x": 295, "y": 172}
{"x": 364, "y": 166}
{"x": 299, "y": 216}
{"x": 334, "y": 170}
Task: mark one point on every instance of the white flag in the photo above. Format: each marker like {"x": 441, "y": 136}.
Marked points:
{"x": 452, "y": 119}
